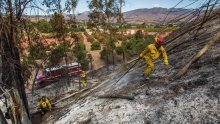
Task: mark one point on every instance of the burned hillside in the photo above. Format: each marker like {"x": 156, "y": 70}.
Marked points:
{"x": 169, "y": 97}
{"x": 61, "y": 71}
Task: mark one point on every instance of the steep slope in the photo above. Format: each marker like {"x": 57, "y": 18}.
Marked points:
{"x": 194, "y": 98}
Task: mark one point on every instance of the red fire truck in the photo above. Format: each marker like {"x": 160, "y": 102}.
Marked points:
{"x": 51, "y": 75}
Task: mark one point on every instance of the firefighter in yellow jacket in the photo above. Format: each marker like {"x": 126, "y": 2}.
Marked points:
{"x": 45, "y": 105}
{"x": 151, "y": 53}
{"x": 83, "y": 78}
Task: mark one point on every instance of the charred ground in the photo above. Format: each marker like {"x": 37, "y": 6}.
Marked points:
{"x": 192, "y": 98}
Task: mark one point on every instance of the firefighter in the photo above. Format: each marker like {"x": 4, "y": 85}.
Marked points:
{"x": 45, "y": 105}
{"x": 151, "y": 53}
{"x": 83, "y": 78}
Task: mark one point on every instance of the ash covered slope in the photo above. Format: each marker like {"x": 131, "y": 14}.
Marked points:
{"x": 194, "y": 98}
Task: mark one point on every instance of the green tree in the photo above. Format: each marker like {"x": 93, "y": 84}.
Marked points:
{"x": 104, "y": 54}
{"x": 37, "y": 51}
{"x": 80, "y": 52}
{"x": 58, "y": 22}
{"x": 139, "y": 35}
{"x": 119, "y": 50}
{"x": 120, "y": 18}
{"x": 12, "y": 23}
{"x": 70, "y": 6}
{"x": 102, "y": 14}
{"x": 44, "y": 26}
{"x": 59, "y": 25}
{"x": 58, "y": 53}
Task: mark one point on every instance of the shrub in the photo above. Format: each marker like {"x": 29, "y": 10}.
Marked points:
{"x": 44, "y": 26}
{"x": 95, "y": 46}
{"x": 139, "y": 35}
{"x": 119, "y": 50}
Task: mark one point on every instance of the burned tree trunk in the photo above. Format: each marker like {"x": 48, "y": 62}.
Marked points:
{"x": 12, "y": 73}
{"x": 12, "y": 78}
{"x": 2, "y": 118}
{"x": 117, "y": 96}
{"x": 198, "y": 55}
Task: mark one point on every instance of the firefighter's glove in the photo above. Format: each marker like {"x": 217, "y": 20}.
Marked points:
{"x": 141, "y": 55}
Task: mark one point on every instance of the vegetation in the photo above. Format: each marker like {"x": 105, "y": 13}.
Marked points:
{"x": 137, "y": 43}
{"x": 139, "y": 35}
{"x": 105, "y": 54}
{"x": 161, "y": 29}
{"x": 101, "y": 37}
{"x": 59, "y": 25}
{"x": 12, "y": 74}
{"x": 58, "y": 52}
{"x": 37, "y": 51}
{"x": 102, "y": 13}
{"x": 90, "y": 38}
{"x": 16, "y": 30}
{"x": 81, "y": 54}
{"x": 121, "y": 37}
{"x": 95, "y": 45}
{"x": 119, "y": 50}
{"x": 44, "y": 26}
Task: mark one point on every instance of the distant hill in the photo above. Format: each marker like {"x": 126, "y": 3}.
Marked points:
{"x": 153, "y": 15}
{"x": 137, "y": 16}
{"x": 83, "y": 16}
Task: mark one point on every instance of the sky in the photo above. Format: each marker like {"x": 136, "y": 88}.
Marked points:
{"x": 129, "y": 5}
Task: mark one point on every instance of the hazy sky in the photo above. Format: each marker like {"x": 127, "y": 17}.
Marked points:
{"x": 131, "y": 5}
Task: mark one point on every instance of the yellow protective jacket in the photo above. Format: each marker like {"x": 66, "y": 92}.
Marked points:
{"x": 152, "y": 51}
{"x": 83, "y": 76}
{"x": 45, "y": 104}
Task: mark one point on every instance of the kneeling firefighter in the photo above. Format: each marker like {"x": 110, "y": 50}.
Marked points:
{"x": 153, "y": 52}
{"x": 45, "y": 105}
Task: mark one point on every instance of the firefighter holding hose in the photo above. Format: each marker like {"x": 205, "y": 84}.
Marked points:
{"x": 83, "y": 78}
{"x": 153, "y": 52}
